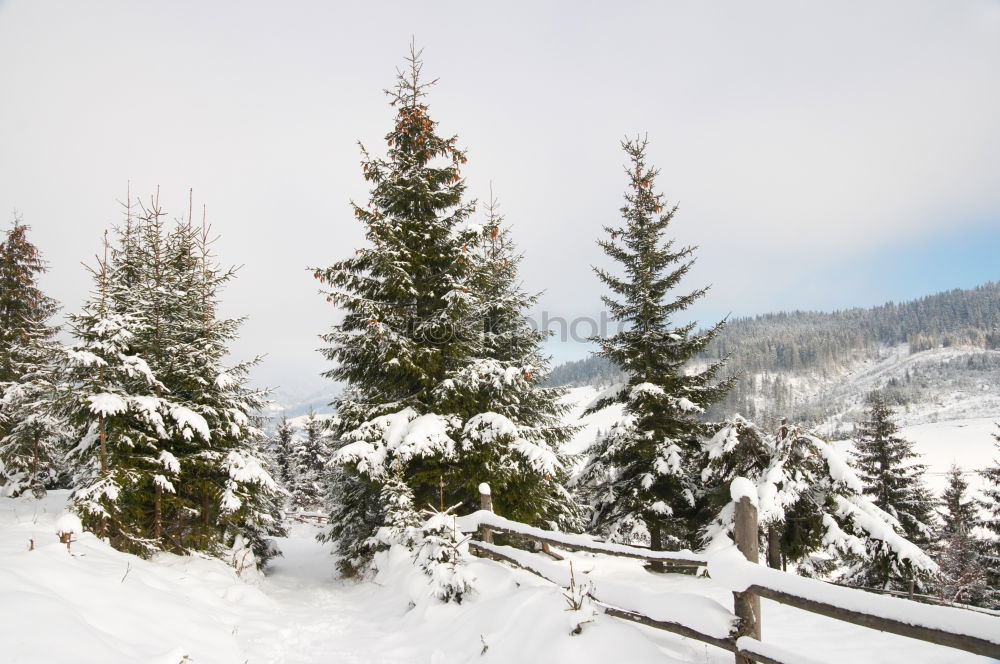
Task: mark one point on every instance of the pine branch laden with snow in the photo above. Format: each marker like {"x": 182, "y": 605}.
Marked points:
{"x": 808, "y": 494}
{"x": 442, "y": 554}
{"x": 395, "y": 440}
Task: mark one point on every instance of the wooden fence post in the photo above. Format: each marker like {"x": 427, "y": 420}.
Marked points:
{"x": 486, "y": 503}
{"x": 747, "y": 605}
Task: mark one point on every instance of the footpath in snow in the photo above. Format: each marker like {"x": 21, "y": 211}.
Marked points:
{"x": 94, "y": 605}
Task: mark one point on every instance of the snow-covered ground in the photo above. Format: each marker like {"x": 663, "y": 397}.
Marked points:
{"x": 96, "y": 605}
{"x": 968, "y": 443}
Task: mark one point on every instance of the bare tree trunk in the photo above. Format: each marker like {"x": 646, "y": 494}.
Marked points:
{"x": 104, "y": 467}
{"x": 773, "y": 548}
{"x": 37, "y": 486}
{"x": 157, "y": 514}
{"x": 656, "y": 544}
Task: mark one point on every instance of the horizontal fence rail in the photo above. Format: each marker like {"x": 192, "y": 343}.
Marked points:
{"x": 497, "y": 523}
{"x": 679, "y": 616}
{"x": 957, "y": 628}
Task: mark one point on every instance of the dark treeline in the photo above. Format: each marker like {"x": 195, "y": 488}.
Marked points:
{"x": 821, "y": 341}
{"x": 594, "y": 370}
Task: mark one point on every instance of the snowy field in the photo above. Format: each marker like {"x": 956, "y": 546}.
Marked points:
{"x": 94, "y": 605}
{"x": 968, "y": 443}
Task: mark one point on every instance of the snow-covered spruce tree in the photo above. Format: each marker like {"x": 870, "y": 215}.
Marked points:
{"x": 991, "y": 505}
{"x": 402, "y": 521}
{"x": 439, "y": 553}
{"x": 643, "y": 477}
{"x": 404, "y": 297}
{"x": 515, "y": 438}
{"x": 172, "y": 443}
{"x": 32, "y": 434}
{"x": 956, "y": 512}
{"x": 23, "y": 305}
{"x": 310, "y": 455}
{"x": 894, "y": 484}
{"x": 958, "y": 551}
{"x": 32, "y": 453}
{"x": 225, "y": 493}
{"x": 116, "y": 402}
{"x": 811, "y": 506}
{"x": 282, "y": 446}
{"x": 421, "y": 384}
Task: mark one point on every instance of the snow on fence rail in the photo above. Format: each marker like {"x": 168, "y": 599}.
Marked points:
{"x": 687, "y": 614}
{"x": 307, "y": 517}
{"x": 494, "y": 522}
{"x": 736, "y": 568}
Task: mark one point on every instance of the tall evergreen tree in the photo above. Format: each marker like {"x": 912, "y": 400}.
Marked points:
{"x": 404, "y": 299}
{"x": 310, "y": 456}
{"x": 883, "y": 460}
{"x": 178, "y": 465}
{"x": 425, "y": 397}
{"x": 23, "y": 305}
{"x": 956, "y": 511}
{"x": 219, "y": 440}
{"x": 958, "y": 551}
{"x": 282, "y": 446}
{"x": 32, "y": 435}
{"x": 991, "y": 505}
{"x": 643, "y": 477}
{"x": 895, "y": 485}
{"x": 116, "y": 402}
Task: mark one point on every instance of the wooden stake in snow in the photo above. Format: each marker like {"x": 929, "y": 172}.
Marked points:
{"x": 746, "y": 605}
{"x": 486, "y": 503}
{"x": 67, "y": 526}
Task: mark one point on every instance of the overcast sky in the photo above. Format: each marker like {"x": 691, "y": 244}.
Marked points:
{"x": 824, "y": 155}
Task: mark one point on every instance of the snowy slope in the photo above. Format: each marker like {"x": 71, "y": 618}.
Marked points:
{"x": 952, "y": 391}
{"x": 578, "y": 399}
{"x": 97, "y": 605}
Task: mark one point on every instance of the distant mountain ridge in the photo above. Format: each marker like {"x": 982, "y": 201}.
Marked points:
{"x": 804, "y": 365}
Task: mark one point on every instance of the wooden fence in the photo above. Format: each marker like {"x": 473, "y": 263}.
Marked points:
{"x": 965, "y": 630}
